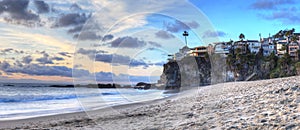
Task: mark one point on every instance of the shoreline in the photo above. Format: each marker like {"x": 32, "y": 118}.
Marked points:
{"x": 12, "y": 124}
{"x": 264, "y": 104}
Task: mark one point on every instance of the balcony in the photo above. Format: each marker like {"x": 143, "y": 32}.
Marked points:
{"x": 293, "y": 54}
{"x": 199, "y": 51}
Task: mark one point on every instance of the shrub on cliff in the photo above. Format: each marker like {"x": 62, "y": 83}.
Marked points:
{"x": 297, "y": 66}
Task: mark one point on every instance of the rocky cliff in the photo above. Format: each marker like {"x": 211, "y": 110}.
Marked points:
{"x": 216, "y": 68}
{"x": 190, "y": 71}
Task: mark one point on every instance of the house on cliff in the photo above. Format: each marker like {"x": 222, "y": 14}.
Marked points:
{"x": 200, "y": 51}
{"x": 281, "y": 46}
{"x": 293, "y": 50}
{"x": 268, "y": 46}
{"x": 241, "y": 45}
{"x": 254, "y": 46}
{"x": 298, "y": 37}
{"x": 222, "y": 48}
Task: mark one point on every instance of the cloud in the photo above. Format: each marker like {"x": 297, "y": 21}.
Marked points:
{"x": 27, "y": 59}
{"x": 110, "y": 77}
{"x": 108, "y": 58}
{"x": 7, "y": 50}
{"x": 46, "y": 59}
{"x": 4, "y": 65}
{"x": 284, "y": 15}
{"x": 284, "y": 11}
{"x": 34, "y": 69}
{"x": 75, "y": 29}
{"x": 18, "y": 64}
{"x": 136, "y": 63}
{"x": 90, "y": 53}
{"x": 193, "y": 24}
{"x": 11, "y": 50}
{"x": 107, "y": 37}
{"x": 104, "y": 76}
{"x": 128, "y": 42}
{"x": 63, "y": 71}
{"x": 19, "y": 52}
{"x": 270, "y": 4}
{"x": 75, "y": 7}
{"x": 87, "y": 36}
{"x": 88, "y": 31}
{"x": 263, "y": 5}
{"x": 18, "y": 12}
{"x": 57, "y": 58}
{"x": 155, "y": 44}
{"x": 119, "y": 60}
{"x": 38, "y": 70}
{"x": 212, "y": 34}
{"x": 123, "y": 60}
{"x": 36, "y": 38}
{"x": 72, "y": 19}
{"x": 114, "y": 59}
{"x": 160, "y": 63}
{"x": 178, "y": 26}
{"x": 41, "y": 6}
{"x": 66, "y": 54}
{"x": 164, "y": 35}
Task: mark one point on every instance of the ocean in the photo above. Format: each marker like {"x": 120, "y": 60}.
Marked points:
{"x": 22, "y": 101}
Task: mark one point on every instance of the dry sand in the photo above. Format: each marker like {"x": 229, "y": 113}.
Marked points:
{"x": 267, "y": 104}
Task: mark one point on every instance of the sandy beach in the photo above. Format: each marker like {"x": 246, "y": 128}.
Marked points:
{"x": 266, "y": 104}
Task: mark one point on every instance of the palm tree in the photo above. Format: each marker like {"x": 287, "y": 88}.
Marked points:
{"x": 260, "y": 37}
{"x": 230, "y": 42}
{"x": 294, "y": 38}
{"x": 287, "y": 34}
{"x": 242, "y": 36}
{"x": 279, "y": 34}
{"x": 293, "y": 30}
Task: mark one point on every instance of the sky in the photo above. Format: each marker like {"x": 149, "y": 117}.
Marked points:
{"x": 122, "y": 41}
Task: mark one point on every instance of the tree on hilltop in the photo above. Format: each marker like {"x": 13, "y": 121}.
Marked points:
{"x": 242, "y": 36}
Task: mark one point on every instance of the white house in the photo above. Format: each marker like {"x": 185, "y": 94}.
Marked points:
{"x": 254, "y": 46}
{"x": 280, "y": 49}
{"x": 222, "y": 48}
{"x": 242, "y": 45}
{"x": 268, "y": 46}
{"x": 282, "y": 40}
{"x": 281, "y": 44}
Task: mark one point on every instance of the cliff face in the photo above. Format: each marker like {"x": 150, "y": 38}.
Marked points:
{"x": 171, "y": 76}
{"x": 217, "y": 68}
{"x": 256, "y": 67}
{"x": 190, "y": 71}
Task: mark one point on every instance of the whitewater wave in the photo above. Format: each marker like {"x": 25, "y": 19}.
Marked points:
{"x": 30, "y": 98}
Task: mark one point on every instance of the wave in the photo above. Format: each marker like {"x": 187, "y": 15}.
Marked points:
{"x": 34, "y": 98}
{"x": 31, "y": 98}
{"x": 111, "y": 93}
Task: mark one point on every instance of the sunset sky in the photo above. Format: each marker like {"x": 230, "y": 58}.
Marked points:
{"x": 123, "y": 41}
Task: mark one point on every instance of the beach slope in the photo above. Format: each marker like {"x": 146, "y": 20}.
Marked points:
{"x": 266, "y": 104}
